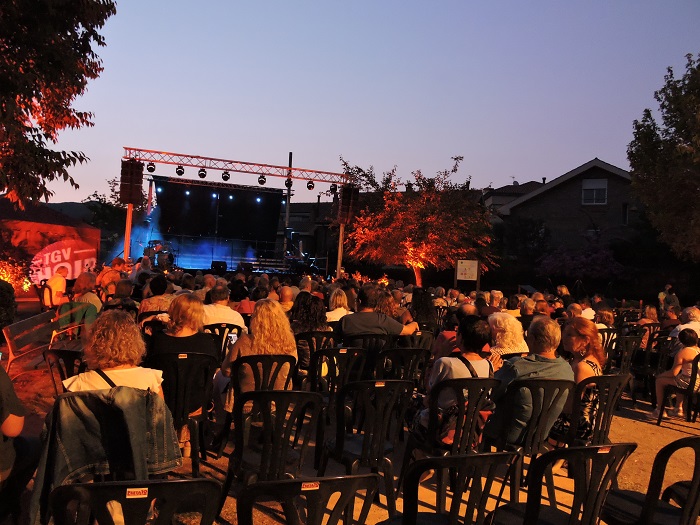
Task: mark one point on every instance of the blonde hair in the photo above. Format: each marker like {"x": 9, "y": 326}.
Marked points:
{"x": 186, "y": 310}
{"x": 338, "y": 300}
{"x": 270, "y": 330}
{"x": 506, "y": 330}
{"x": 85, "y": 282}
{"x": 651, "y": 313}
{"x": 114, "y": 340}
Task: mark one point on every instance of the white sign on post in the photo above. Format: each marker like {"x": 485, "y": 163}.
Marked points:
{"x": 467, "y": 270}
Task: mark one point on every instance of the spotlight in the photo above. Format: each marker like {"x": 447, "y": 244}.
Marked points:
{"x": 202, "y": 173}
{"x": 151, "y": 167}
{"x": 159, "y": 189}
{"x": 230, "y": 197}
{"x": 179, "y": 171}
{"x": 258, "y": 200}
{"x": 288, "y": 183}
{"x": 187, "y": 192}
{"x": 334, "y": 188}
{"x": 226, "y": 176}
{"x": 214, "y": 195}
{"x": 310, "y": 185}
{"x": 262, "y": 180}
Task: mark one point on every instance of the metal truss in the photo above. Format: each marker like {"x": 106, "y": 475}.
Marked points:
{"x": 213, "y": 184}
{"x": 195, "y": 161}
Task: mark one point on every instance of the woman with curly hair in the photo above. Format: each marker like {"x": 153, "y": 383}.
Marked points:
{"x": 308, "y": 315}
{"x": 115, "y": 347}
{"x": 270, "y": 334}
{"x": 581, "y": 339}
{"x": 507, "y": 335}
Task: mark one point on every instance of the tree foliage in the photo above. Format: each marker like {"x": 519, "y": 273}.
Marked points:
{"x": 46, "y": 61}
{"x": 431, "y": 223}
{"x": 109, "y": 213}
{"x": 665, "y": 161}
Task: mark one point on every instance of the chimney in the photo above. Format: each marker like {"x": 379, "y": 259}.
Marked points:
{"x": 544, "y": 180}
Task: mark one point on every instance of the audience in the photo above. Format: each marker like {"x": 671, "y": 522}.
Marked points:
{"x": 83, "y": 290}
{"x": 679, "y": 375}
{"x": 218, "y": 311}
{"x": 337, "y": 306}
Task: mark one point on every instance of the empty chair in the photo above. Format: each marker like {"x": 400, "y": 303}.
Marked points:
{"x": 66, "y": 363}
{"x": 626, "y": 347}
{"x": 403, "y": 363}
{"x": 477, "y": 476}
{"x": 422, "y": 339}
{"x": 373, "y": 343}
{"x": 594, "y": 470}
{"x": 152, "y": 501}
{"x": 625, "y": 507}
{"x": 318, "y": 494}
{"x": 645, "y": 361}
{"x": 221, "y": 333}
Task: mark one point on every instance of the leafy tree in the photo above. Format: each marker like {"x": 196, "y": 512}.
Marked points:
{"x": 46, "y": 60}
{"x": 109, "y": 213}
{"x": 431, "y": 224}
{"x": 665, "y": 161}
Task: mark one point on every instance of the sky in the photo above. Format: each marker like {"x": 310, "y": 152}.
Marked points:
{"x": 521, "y": 90}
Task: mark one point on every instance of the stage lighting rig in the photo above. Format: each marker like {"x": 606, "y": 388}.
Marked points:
{"x": 262, "y": 180}
{"x": 225, "y": 176}
{"x": 288, "y": 183}
{"x": 150, "y": 167}
{"x": 202, "y": 173}
{"x": 310, "y": 185}
{"x": 179, "y": 171}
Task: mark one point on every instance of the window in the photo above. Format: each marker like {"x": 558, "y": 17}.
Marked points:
{"x": 594, "y": 191}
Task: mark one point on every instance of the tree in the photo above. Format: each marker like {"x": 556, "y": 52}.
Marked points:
{"x": 433, "y": 223}
{"x": 109, "y": 212}
{"x": 665, "y": 161}
{"x": 46, "y": 60}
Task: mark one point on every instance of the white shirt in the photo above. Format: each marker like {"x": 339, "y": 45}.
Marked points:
{"x": 137, "y": 377}
{"x": 219, "y": 313}
{"x": 337, "y": 314}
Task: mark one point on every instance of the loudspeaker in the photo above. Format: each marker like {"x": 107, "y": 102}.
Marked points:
{"x": 219, "y": 267}
{"x": 131, "y": 182}
{"x": 349, "y": 195}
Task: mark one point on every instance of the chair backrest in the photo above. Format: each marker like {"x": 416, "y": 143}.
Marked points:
{"x": 472, "y": 474}
{"x": 402, "y": 363}
{"x": 187, "y": 382}
{"x": 375, "y": 411}
{"x": 287, "y": 422}
{"x": 658, "y": 470}
{"x": 331, "y": 496}
{"x": 627, "y": 346}
{"x": 373, "y": 343}
{"x": 594, "y": 469}
{"x": 220, "y": 332}
{"x": 470, "y": 396}
{"x": 130, "y": 308}
{"x": 45, "y": 294}
{"x": 608, "y": 339}
{"x": 67, "y": 363}
{"x": 608, "y": 390}
{"x": 265, "y": 370}
{"x": 548, "y": 397}
{"x": 317, "y": 340}
{"x": 421, "y": 339}
{"x": 152, "y": 501}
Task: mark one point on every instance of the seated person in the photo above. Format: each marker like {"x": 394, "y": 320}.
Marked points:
{"x": 219, "y": 311}
{"x": 57, "y": 283}
{"x": 513, "y": 411}
{"x": 19, "y": 454}
{"x": 83, "y": 290}
{"x": 679, "y": 375}
{"x": 368, "y": 321}
{"x": 122, "y": 296}
{"x": 115, "y": 348}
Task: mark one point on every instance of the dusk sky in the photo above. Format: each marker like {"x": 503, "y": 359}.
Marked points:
{"x": 522, "y": 90}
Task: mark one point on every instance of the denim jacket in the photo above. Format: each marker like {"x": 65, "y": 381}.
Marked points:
{"x": 123, "y": 431}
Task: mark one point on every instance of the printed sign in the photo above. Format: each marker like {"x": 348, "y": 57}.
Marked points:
{"x": 136, "y": 493}
{"x": 467, "y": 270}
{"x": 77, "y": 256}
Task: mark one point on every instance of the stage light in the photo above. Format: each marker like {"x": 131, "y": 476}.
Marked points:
{"x": 262, "y": 180}
{"x": 334, "y": 188}
{"x": 202, "y": 173}
{"x": 230, "y": 197}
{"x": 310, "y": 185}
{"x": 187, "y": 192}
{"x": 226, "y": 176}
{"x": 159, "y": 189}
{"x": 214, "y": 195}
{"x": 179, "y": 171}
{"x": 258, "y": 200}
{"x": 288, "y": 183}
{"x": 150, "y": 167}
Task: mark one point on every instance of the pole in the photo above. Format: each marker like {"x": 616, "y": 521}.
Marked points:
{"x": 341, "y": 234}
{"x": 286, "y": 208}
{"x": 127, "y": 231}
{"x": 478, "y": 276}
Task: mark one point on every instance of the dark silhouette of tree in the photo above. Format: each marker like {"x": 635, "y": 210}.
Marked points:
{"x": 665, "y": 161}
{"x": 47, "y": 58}
{"x": 432, "y": 223}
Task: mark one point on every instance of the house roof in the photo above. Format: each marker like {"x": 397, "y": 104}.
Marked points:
{"x": 595, "y": 163}
{"x": 514, "y": 189}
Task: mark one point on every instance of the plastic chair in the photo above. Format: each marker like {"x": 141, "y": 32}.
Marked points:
{"x": 187, "y": 388}
{"x": 265, "y": 370}
{"x": 403, "y": 363}
{"x": 73, "y": 319}
{"x": 608, "y": 339}
{"x": 152, "y": 501}
{"x": 220, "y": 332}
{"x": 331, "y": 369}
{"x": 645, "y": 361}
{"x": 307, "y": 344}
{"x": 44, "y": 292}
{"x": 475, "y": 474}
{"x": 131, "y": 309}
{"x": 626, "y": 507}
{"x": 609, "y": 390}
{"x": 471, "y": 397}
{"x": 288, "y": 421}
{"x": 319, "y": 496}
{"x": 368, "y": 416}
{"x": 422, "y": 339}
{"x": 67, "y": 363}
{"x": 547, "y": 395}
{"x": 594, "y": 469}
{"x": 373, "y": 343}
{"x": 626, "y": 347}
{"x": 691, "y": 397}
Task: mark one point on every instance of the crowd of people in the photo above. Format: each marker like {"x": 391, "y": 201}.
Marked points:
{"x": 477, "y": 334}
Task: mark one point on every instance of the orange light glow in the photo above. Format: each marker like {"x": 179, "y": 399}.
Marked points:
{"x": 14, "y": 274}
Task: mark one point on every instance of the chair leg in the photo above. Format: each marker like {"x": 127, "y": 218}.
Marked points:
{"x": 323, "y": 462}
{"x": 441, "y": 490}
{"x": 549, "y": 479}
{"x": 407, "y": 456}
{"x": 515, "y": 481}
{"x": 222, "y": 439}
{"x": 193, "y": 426}
{"x": 225, "y": 489}
{"x": 388, "y": 471}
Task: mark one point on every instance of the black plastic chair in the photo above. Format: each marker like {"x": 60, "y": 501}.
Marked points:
{"x": 220, "y": 332}
{"x": 609, "y": 390}
{"x": 373, "y": 343}
{"x": 471, "y": 396}
{"x": 594, "y": 470}
{"x": 626, "y": 507}
{"x": 44, "y": 292}
{"x": 67, "y": 363}
{"x": 316, "y": 340}
{"x": 318, "y": 494}
{"x": 187, "y": 388}
{"x": 422, "y": 339}
{"x": 691, "y": 397}
{"x": 646, "y": 360}
{"x": 131, "y": 308}
{"x": 626, "y": 347}
{"x": 546, "y": 394}
{"x": 479, "y": 475}
{"x": 608, "y": 338}
{"x": 288, "y": 421}
{"x": 403, "y": 363}
{"x": 152, "y": 501}
{"x": 368, "y": 417}
{"x": 265, "y": 370}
